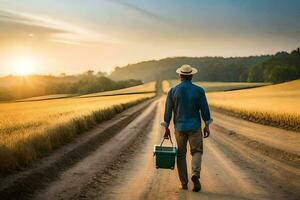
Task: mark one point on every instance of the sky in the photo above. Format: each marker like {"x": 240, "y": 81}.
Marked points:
{"x": 72, "y": 36}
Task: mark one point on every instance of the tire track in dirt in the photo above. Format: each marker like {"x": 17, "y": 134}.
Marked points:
{"x": 288, "y": 158}
{"x": 281, "y": 179}
{"x": 103, "y": 180}
{"x": 71, "y": 183}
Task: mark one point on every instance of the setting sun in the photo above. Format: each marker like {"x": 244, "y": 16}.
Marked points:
{"x": 24, "y": 66}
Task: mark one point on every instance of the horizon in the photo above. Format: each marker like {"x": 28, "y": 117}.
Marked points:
{"x": 51, "y": 37}
{"x": 108, "y": 73}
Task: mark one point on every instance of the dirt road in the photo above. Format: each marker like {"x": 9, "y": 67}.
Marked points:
{"x": 242, "y": 160}
{"x": 232, "y": 169}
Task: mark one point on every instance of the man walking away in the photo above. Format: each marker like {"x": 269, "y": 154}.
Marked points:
{"x": 187, "y": 101}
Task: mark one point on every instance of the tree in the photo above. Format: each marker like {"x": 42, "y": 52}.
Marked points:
{"x": 279, "y": 68}
{"x": 278, "y": 74}
{"x": 100, "y": 73}
{"x": 256, "y": 73}
{"x": 89, "y": 73}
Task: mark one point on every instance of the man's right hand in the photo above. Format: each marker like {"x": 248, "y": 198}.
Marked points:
{"x": 167, "y": 134}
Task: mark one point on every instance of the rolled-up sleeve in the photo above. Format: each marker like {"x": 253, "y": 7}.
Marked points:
{"x": 205, "y": 112}
{"x": 168, "y": 110}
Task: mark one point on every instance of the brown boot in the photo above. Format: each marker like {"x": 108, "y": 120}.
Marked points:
{"x": 197, "y": 184}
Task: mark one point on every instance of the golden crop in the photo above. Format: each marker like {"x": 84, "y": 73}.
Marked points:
{"x": 275, "y": 104}
{"x": 30, "y": 129}
{"x": 145, "y": 88}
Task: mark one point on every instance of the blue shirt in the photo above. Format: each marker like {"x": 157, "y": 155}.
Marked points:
{"x": 187, "y": 101}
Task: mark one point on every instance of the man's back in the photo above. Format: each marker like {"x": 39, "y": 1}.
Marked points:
{"x": 187, "y": 101}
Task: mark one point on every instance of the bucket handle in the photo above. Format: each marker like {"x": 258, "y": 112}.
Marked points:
{"x": 164, "y": 140}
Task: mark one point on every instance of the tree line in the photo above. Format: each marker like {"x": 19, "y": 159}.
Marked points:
{"x": 17, "y": 87}
{"x": 280, "y": 67}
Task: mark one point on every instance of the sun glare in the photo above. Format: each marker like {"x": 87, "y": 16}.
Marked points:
{"x": 24, "y": 67}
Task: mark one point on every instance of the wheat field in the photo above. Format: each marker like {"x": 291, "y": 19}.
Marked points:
{"x": 277, "y": 105}
{"x": 145, "y": 88}
{"x": 31, "y": 129}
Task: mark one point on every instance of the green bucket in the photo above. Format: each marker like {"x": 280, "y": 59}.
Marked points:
{"x": 165, "y": 156}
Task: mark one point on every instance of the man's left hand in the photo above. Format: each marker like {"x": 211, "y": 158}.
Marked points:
{"x": 206, "y": 131}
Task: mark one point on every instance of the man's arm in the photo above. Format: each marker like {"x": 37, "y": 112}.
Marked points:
{"x": 205, "y": 114}
{"x": 167, "y": 115}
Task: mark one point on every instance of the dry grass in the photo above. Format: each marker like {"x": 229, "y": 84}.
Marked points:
{"x": 144, "y": 88}
{"x": 277, "y": 105}
{"x": 29, "y": 130}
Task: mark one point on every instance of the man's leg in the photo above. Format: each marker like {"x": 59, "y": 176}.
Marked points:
{"x": 196, "y": 146}
{"x": 181, "y": 139}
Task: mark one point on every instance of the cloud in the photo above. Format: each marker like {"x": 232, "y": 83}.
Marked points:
{"x": 65, "y": 41}
{"x": 12, "y": 23}
{"x": 140, "y": 10}
{"x": 20, "y": 24}
{"x": 143, "y": 12}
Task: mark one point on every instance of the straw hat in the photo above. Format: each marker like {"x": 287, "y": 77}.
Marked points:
{"x": 186, "y": 70}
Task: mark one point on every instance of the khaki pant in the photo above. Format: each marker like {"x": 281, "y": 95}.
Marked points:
{"x": 196, "y": 147}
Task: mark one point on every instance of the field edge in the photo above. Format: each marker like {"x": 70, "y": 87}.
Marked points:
{"x": 270, "y": 120}
{"x": 43, "y": 144}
